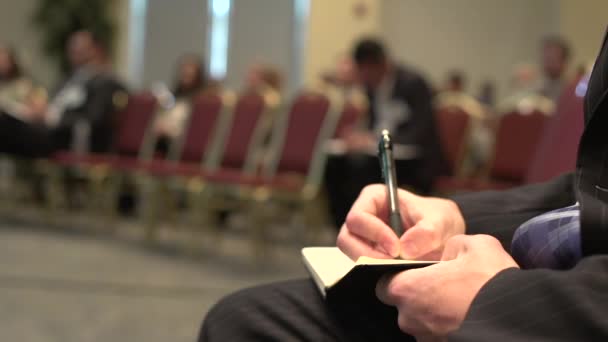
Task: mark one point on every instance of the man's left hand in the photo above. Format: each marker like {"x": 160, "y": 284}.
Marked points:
{"x": 433, "y": 301}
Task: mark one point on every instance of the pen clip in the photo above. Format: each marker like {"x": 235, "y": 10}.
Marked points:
{"x": 384, "y": 144}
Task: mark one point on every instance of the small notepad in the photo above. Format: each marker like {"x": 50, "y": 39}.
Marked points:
{"x": 335, "y": 273}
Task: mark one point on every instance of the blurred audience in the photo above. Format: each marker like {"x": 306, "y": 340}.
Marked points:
{"x": 456, "y": 82}
{"x": 16, "y": 89}
{"x": 548, "y": 83}
{"x": 555, "y": 56}
{"x": 487, "y": 94}
{"x": 400, "y": 100}
{"x": 80, "y": 111}
{"x": 190, "y": 80}
{"x": 343, "y": 75}
{"x": 264, "y": 77}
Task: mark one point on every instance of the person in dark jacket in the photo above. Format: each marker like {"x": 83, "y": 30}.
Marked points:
{"x": 401, "y": 101}
{"x": 84, "y": 104}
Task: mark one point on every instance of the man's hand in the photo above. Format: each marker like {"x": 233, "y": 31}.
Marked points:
{"x": 433, "y": 301}
{"x": 429, "y": 223}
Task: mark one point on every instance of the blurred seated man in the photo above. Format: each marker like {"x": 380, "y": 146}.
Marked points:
{"x": 548, "y": 83}
{"x": 83, "y": 103}
{"x": 400, "y": 100}
{"x": 555, "y": 56}
{"x": 455, "y": 82}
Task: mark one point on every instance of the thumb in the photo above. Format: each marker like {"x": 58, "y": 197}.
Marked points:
{"x": 420, "y": 240}
{"x": 455, "y": 246}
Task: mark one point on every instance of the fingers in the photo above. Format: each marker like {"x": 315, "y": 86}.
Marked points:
{"x": 422, "y": 239}
{"x": 455, "y": 246}
{"x": 399, "y": 290}
{"x": 383, "y": 293}
{"x": 371, "y": 228}
{"x": 462, "y": 244}
{"x": 354, "y": 246}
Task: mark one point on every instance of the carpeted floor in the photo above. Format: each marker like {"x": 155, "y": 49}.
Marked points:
{"x": 81, "y": 285}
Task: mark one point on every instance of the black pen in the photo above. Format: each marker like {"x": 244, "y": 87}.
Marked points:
{"x": 389, "y": 173}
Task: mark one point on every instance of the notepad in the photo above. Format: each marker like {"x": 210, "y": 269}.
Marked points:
{"x": 338, "y": 277}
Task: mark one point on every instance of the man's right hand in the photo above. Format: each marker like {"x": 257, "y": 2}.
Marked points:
{"x": 429, "y": 223}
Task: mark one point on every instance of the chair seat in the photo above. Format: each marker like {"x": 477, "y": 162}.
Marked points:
{"x": 67, "y": 158}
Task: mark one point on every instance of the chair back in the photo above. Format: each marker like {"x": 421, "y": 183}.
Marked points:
{"x": 459, "y": 115}
{"x": 200, "y": 131}
{"x": 299, "y": 137}
{"x": 557, "y": 149}
{"x": 516, "y": 140}
{"x": 249, "y": 126}
{"x": 353, "y": 112}
{"x": 454, "y": 128}
{"x": 133, "y": 124}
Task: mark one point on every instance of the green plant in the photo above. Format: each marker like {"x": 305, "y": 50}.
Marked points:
{"x": 57, "y": 19}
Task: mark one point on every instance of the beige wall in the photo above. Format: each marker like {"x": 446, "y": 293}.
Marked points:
{"x": 583, "y": 23}
{"x": 484, "y": 38}
{"x": 173, "y": 27}
{"x": 16, "y": 30}
{"x": 261, "y": 32}
{"x": 333, "y": 26}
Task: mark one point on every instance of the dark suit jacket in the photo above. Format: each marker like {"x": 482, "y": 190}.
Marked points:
{"x": 420, "y": 129}
{"x": 98, "y": 110}
{"x": 548, "y": 305}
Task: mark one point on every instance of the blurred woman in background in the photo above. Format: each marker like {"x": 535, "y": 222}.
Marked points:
{"x": 190, "y": 80}
{"x": 16, "y": 90}
{"x": 264, "y": 77}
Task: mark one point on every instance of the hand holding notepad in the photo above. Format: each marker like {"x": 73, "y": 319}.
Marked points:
{"x": 367, "y": 238}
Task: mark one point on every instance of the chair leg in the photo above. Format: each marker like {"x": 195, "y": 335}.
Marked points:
{"x": 203, "y": 216}
{"x": 259, "y": 212}
{"x": 148, "y": 206}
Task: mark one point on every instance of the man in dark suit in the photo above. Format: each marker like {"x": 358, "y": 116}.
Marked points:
{"x": 82, "y": 108}
{"x": 400, "y": 100}
{"x": 479, "y": 292}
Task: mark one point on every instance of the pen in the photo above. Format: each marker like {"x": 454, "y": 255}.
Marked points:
{"x": 387, "y": 164}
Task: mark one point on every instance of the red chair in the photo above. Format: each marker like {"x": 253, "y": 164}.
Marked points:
{"x": 132, "y": 125}
{"x": 250, "y": 125}
{"x": 453, "y": 123}
{"x": 516, "y": 141}
{"x": 557, "y": 150}
{"x": 292, "y": 172}
{"x": 353, "y": 113}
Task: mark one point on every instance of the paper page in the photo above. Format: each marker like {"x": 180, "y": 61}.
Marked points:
{"x": 326, "y": 264}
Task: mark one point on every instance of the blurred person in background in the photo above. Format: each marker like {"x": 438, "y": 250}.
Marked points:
{"x": 16, "y": 89}
{"x": 455, "y": 82}
{"x": 343, "y": 75}
{"x": 548, "y": 83}
{"x": 86, "y": 99}
{"x": 264, "y": 77}
{"x": 190, "y": 81}
{"x": 400, "y": 100}
{"x": 555, "y": 56}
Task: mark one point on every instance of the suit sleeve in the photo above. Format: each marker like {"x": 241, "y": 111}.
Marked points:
{"x": 500, "y": 213}
{"x": 421, "y": 125}
{"x": 541, "y": 305}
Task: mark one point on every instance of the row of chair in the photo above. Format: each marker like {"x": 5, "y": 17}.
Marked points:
{"x": 531, "y": 144}
{"x": 242, "y": 152}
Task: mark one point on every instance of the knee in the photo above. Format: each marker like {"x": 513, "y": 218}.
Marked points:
{"x": 230, "y": 319}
